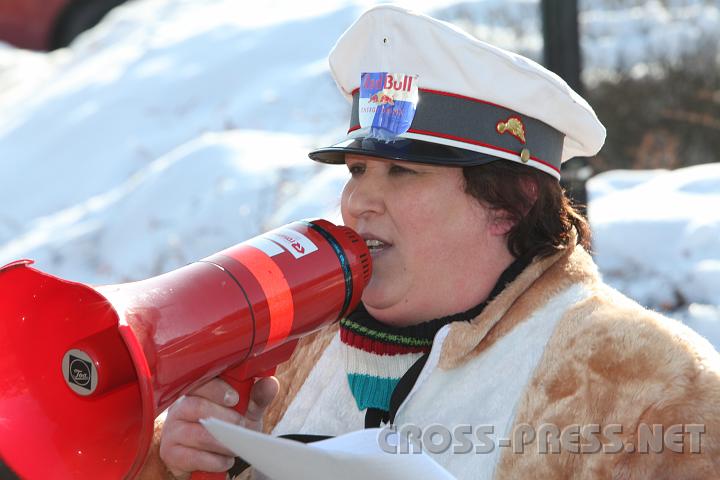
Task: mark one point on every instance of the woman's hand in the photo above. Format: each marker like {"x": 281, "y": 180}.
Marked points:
{"x": 186, "y": 446}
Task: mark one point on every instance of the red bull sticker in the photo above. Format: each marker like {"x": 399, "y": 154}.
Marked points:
{"x": 387, "y": 103}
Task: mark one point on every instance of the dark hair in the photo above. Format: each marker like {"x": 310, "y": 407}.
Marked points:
{"x": 543, "y": 226}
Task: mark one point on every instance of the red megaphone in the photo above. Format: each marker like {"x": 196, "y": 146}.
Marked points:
{"x": 85, "y": 370}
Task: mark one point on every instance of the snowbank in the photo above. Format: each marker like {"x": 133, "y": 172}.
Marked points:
{"x": 156, "y": 75}
{"x": 206, "y": 195}
{"x": 657, "y": 233}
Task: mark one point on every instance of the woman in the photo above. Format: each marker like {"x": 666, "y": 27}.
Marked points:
{"x": 484, "y": 308}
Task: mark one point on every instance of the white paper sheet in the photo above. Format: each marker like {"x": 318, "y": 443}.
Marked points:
{"x": 353, "y": 456}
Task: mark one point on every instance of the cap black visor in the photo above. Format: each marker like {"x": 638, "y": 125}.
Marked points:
{"x": 404, "y": 149}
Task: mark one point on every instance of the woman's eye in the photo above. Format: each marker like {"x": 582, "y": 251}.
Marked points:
{"x": 398, "y": 170}
{"x": 356, "y": 169}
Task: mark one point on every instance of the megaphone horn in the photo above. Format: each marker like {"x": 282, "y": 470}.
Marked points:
{"x": 85, "y": 370}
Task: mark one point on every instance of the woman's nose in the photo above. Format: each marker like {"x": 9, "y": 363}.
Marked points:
{"x": 363, "y": 197}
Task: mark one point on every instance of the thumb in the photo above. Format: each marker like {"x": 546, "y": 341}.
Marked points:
{"x": 262, "y": 394}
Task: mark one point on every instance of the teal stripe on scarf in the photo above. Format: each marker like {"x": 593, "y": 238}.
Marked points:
{"x": 370, "y": 391}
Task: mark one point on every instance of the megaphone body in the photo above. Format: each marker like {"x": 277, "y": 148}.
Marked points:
{"x": 86, "y": 370}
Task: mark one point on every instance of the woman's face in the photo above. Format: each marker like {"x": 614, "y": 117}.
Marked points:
{"x": 436, "y": 251}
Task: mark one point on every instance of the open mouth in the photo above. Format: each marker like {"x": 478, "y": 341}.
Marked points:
{"x": 376, "y": 246}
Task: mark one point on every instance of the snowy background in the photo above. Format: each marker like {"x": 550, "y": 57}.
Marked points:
{"x": 176, "y": 128}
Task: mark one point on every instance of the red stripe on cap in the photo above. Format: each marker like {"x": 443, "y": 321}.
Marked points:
{"x": 277, "y": 292}
{"x": 481, "y": 144}
{"x": 463, "y": 97}
{"x": 448, "y": 94}
{"x": 468, "y": 140}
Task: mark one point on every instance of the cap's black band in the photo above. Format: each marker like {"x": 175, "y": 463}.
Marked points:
{"x": 475, "y": 122}
{"x": 454, "y": 130}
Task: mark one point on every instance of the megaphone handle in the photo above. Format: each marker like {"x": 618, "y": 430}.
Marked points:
{"x": 243, "y": 387}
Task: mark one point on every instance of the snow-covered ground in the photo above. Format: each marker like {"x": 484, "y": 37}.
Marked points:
{"x": 656, "y": 237}
{"x": 178, "y": 127}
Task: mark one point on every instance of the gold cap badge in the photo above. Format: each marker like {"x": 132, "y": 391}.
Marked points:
{"x": 514, "y": 126}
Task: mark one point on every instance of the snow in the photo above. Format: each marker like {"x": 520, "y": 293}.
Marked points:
{"x": 128, "y": 95}
{"x": 176, "y": 128}
{"x": 632, "y": 35}
{"x": 181, "y": 207}
{"x": 656, "y": 237}
{"x": 639, "y": 35}
{"x": 665, "y": 226}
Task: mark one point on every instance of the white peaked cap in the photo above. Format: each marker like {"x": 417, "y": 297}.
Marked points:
{"x": 467, "y": 88}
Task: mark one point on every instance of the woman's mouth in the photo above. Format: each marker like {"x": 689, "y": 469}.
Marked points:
{"x": 377, "y": 246}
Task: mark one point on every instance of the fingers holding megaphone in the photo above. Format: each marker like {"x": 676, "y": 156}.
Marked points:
{"x": 186, "y": 446}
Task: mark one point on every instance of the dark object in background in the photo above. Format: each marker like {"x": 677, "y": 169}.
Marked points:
{"x": 561, "y": 54}
{"x": 49, "y": 24}
{"x": 575, "y": 173}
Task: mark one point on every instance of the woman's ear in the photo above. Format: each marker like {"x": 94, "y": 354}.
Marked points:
{"x": 501, "y": 223}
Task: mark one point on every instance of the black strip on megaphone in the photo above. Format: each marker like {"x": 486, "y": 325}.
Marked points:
{"x": 344, "y": 264}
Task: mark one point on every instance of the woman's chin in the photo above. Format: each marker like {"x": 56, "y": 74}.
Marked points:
{"x": 378, "y": 294}
{"x": 374, "y": 296}
{"x": 383, "y": 307}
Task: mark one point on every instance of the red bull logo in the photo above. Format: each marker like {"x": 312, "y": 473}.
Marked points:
{"x": 389, "y": 82}
{"x": 381, "y": 99}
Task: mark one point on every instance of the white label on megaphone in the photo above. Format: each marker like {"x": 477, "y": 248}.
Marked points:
{"x": 269, "y": 247}
{"x": 294, "y": 242}
{"x": 79, "y": 372}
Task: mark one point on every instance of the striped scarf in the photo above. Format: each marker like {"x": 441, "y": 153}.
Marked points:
{"x": 378, "y": 355}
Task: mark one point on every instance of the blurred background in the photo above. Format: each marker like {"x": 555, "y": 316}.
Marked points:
{"x": 138, "y": 136}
